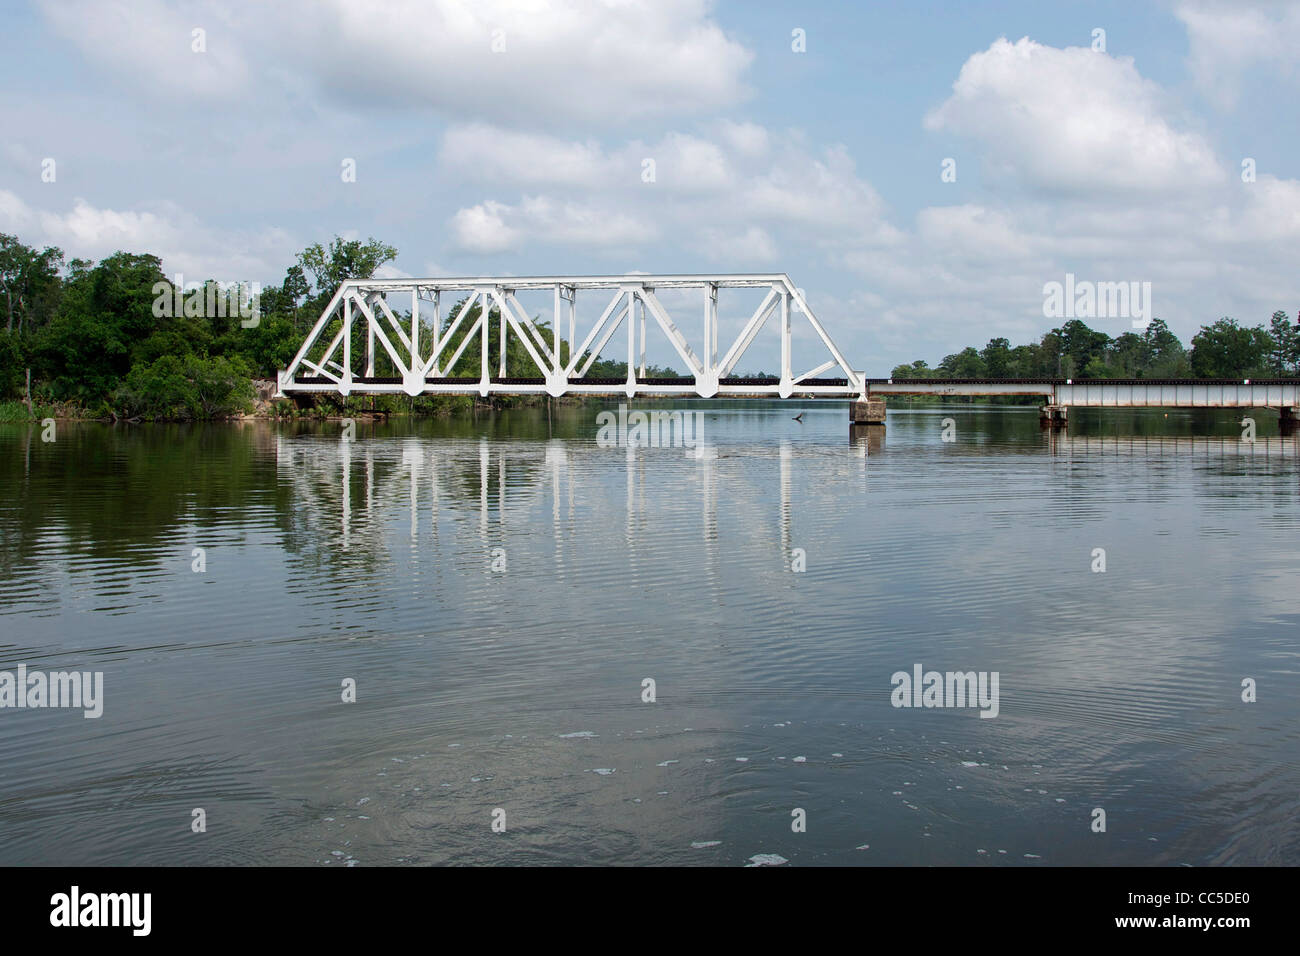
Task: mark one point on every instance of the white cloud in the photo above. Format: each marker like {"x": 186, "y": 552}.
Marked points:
{"x": 747, "y": 139}
{"x": 183, "y": 243}
{"x": 495, "y": 154}
{"x": 1073, "y": 120}
{"x": 529, "y": 63}
{"x": 1272, "y": 211}
{"x": 824, "y": 192}
{"x": 494, "y": 227}
{"x": 742, "y": 251}
{"x": 973, "y": 231}
{"x": 479, "y": 152}
{"x": 150, "y": 43}
{"x": 483, "y": 229}
{"x": 734, "y": 192}
{"x": 1226, "y": 39}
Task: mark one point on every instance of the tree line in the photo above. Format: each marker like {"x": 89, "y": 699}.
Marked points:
{"x": 1223, "y": 349}
{"x": 94, "y": 339}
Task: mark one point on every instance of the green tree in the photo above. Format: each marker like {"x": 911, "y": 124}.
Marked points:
{"x": 106, "y": 314}
{"x": 964, "y": 364}
{"x": 1165, "y": 355}
{"x": 1082, "y": 344}
{"x": 1127, "y": 357}
{"x": 918, "y": 369}
{"x": 29, "y": 283}
{"x": 1024, "y": 362}
{"x": 997, "y": 358}
{"x": 1284, "y": 348}
{"x": 343, "y": 259}
{"x": 296, "y": 288}
{"x": 1228, "y": 350}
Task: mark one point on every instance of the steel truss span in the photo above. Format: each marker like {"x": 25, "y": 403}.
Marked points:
{"x": 325, "y": 362}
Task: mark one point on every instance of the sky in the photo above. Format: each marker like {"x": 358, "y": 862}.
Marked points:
{"x": 920, "y": 170}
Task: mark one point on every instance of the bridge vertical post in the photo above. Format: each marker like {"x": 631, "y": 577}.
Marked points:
{"x": 415, "y": 329}
{"x": 786, "y": 386}
{"x": 370, "y": 346}
{"x": 485, "y": 312}
{"x": 347, "y": 342}
{"x": 437, "y": 331}
{"x": 642, "y": 362}
{"x": 573, "y": 322}
{"x": 555, "y": 334}
{"x": 710, "y": 353}
{"x": 631, "y": 343}
{"x": 501, "y": 338}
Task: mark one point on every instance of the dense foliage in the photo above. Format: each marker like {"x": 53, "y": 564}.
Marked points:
{"x": 96, "y": 336}
{"x": 1221, "y": 350}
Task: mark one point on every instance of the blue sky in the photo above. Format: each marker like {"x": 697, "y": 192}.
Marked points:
{"x": 1115, "y": 165}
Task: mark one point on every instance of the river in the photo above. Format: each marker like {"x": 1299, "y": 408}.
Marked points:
{"x": 563, "y": 652}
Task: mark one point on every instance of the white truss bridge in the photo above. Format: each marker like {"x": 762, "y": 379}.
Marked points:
{"x": 428, "y": 362}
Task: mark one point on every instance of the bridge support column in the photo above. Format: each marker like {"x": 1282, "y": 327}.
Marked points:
{"x": 1053, "y": 416}
{"x": 1287, "y": 423}
{"x": 870, "y": 412}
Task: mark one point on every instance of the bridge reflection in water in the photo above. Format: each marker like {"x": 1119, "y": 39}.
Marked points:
{"x": 439, "y": 481}
{"x": 489, "y": 488}
{"x": 1169, "y": 446}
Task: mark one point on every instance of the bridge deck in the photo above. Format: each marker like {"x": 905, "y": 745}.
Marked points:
{"x": 1109, "y": 393}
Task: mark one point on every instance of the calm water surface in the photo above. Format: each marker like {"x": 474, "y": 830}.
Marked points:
{"x": 521, "y": 689}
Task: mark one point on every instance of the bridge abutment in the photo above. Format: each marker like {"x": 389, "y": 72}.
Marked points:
{"x": 1287, "y": 422}
{"x": 870, "y": 412}
{"x": 1053, "y": 416}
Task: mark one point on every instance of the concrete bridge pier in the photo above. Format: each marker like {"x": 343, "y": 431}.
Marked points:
{"x": 1053, "y": 416}
{"x": 1287, "y": 422}
{"x": 870, "y": 412}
